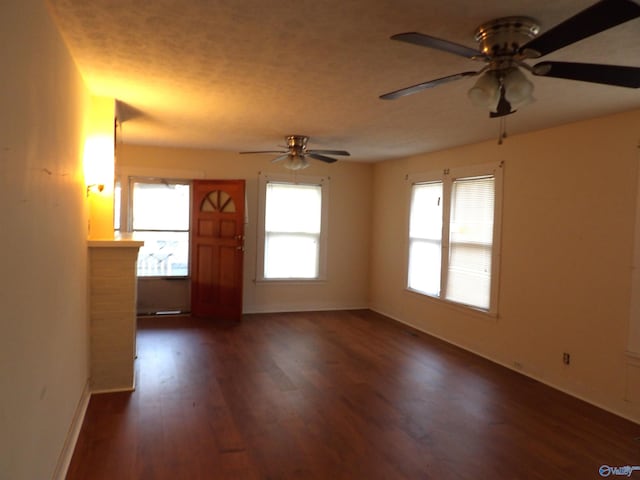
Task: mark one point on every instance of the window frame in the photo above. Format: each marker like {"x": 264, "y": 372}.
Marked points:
{"x": 447, "y": 176}
{"x": 323, "y": 182}
{"x": 126, "y": 214}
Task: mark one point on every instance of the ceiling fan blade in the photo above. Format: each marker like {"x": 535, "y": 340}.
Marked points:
{"x": 422, "y": 86}
{"x": 322, "y": 158}
{"x": 267, "y": 151}
{"x": 280, "y": 158}
{"x": 618, "y": 75}
{"x": 439, "y": 44}
{"x": 329, "y": 152}
{"x": 595, "y": 19}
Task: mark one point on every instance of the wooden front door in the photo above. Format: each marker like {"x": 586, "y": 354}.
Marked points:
{"x": 217, "y": 248}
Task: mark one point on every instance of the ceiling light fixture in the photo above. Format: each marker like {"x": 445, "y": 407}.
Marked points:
{"x": 509, "y": 85}
{"x": 486, "y": 92}
{"x": 295, "y": 162}
{"x": 518, "y": 90}
{"x": 502, "y": 92}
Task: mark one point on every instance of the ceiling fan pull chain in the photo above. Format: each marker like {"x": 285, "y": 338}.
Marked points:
{"x": 502, "y": 134}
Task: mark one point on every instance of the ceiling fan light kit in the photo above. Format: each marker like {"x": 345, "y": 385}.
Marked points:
{"x": 486, "y": 92}
{"x": 500, "y": 40}
{"x": 506, "y": 43}
{"x": 295, "y": 162}
{"x": 518, "y": 90}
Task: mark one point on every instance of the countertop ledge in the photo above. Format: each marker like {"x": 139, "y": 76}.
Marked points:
{"x": 119, "y": 241}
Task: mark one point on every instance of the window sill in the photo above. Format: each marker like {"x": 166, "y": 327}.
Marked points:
{"x": 466, "y": 309}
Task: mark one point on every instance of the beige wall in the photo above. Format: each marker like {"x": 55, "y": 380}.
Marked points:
{"x": 43, "y": 339}
{"x": 349, "y": 221}
{"x": 567, "y": 240}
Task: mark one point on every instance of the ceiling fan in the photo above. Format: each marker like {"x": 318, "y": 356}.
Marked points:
{"x": 504, "y": 45}
{"x": 297, "y": 151}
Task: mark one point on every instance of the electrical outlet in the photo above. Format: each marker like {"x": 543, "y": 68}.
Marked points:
{"x": 566, "y": 358}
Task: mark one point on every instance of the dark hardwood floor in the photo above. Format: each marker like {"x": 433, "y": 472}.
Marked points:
{"x": 335, "y": 395}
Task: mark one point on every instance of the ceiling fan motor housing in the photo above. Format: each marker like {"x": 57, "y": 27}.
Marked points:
{"x": 503, "y": 37}
{"x": 297, "y": 143}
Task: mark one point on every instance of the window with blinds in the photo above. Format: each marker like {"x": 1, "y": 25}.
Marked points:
{"x": 453, "y": 225}
{"x": 292, "y": 228}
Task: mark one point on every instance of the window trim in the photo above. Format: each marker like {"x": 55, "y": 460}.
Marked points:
{"x": 321, "y": 181}
{"x": 447, "y": 176}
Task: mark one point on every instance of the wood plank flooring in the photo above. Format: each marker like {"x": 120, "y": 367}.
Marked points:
{"x": 335, "y": 395}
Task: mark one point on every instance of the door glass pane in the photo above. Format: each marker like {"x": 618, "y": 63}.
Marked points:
{"x": 218, "y": 201}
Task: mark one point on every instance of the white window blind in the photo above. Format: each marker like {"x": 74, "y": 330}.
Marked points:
{"x": 293, "y": 219}
{"x": 470, "y": 241}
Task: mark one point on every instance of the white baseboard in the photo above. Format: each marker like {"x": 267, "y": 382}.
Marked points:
{"x": 72, "y": 436}
{"x": 298, "y": 308}
{"x": 114, "y": 390}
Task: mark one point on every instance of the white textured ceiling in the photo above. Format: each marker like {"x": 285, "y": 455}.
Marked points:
{"x": 240, "y": 74}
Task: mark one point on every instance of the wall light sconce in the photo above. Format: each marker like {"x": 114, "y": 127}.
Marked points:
{"x": 98, "y": 162}
{"x": 95, "y": 187}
